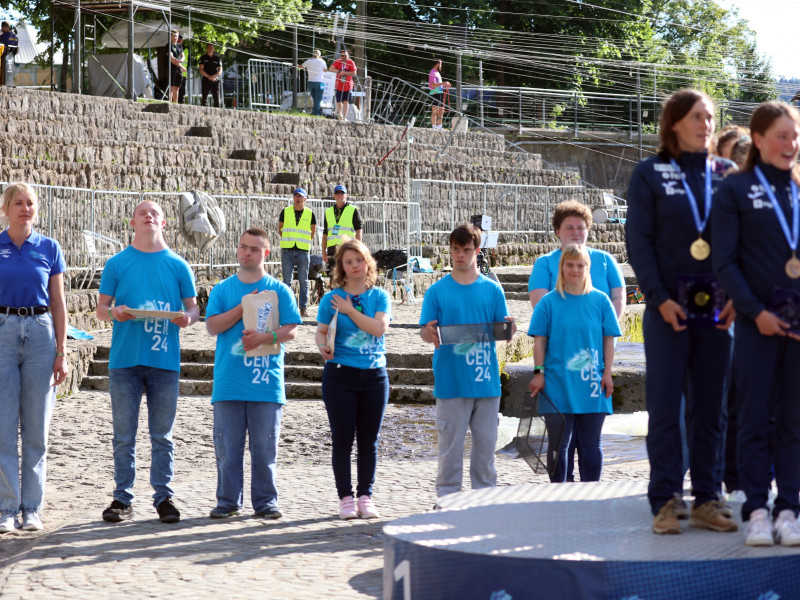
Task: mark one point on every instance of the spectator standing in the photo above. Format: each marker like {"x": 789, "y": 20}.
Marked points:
{"x": 210, "y": 67}
{"x": 572, "y": 221}
{"x": 437, "y": 88}
{"x": 466, "y": 376}
{"x": 182, "y": 90}
{"x": 249, "y": 392}
{"x": 11, "y": 46}
{"x": 316, "y": 68}
{"x": 33, "y": 337}
{"x": 345, "y": 70}
{"x": 355, "y": 386}
{"x": 175, "y": 53}
{"x": 574, "y": 328}
{"x": 145, "y": 355}
{"x": 297, "y": 226}
{"x": 341, "y": 220}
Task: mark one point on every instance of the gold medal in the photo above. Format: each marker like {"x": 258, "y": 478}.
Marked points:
{"x": 701, "y": 299}
{"x": 793, "y": 267}
{"x": 701, "y": 250}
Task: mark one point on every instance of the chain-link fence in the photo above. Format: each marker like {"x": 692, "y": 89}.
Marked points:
{"x": 69, "y": 214}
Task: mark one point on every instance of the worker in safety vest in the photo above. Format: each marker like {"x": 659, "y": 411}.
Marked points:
{"x": 341, "y": 220}
{"x": 297, "y": 226}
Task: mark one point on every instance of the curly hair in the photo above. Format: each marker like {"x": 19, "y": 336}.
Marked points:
{"x": 571, "y": 208}
{"x": 339, "y": 277}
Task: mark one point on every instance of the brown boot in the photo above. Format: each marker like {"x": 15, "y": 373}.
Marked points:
{"x": 710, "y": 515}
{"x": 666, "y": 521}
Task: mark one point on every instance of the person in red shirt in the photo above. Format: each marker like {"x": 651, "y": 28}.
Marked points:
{"x": 345, "y": 69}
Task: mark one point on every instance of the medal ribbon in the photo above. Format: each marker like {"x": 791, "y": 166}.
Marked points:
{"x": 792, "y": 238}
{"x": 701, "y": 225}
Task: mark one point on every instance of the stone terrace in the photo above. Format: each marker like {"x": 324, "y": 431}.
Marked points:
{"x": 104, "y": 143}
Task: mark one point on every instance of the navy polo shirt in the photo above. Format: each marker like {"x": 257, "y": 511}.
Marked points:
{"x": 25, "y": 272}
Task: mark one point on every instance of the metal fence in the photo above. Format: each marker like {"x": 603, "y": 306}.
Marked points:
{"x": 514, "y": 208}
{"x": 66, "y": 212}
{"x": 267, "y": 81}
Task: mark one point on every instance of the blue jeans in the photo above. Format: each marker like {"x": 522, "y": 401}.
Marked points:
{"x": 27, "y": 354}
{"x": 289, "y": 258}
{"x": 355, "y": 400}
{"x": 587, "y": 427}
{"x": 126, "y": 387}
{"x": 233, "y": 420}
{"x": 315, "y": 89}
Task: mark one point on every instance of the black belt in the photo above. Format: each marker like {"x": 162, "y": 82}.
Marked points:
{"x": 24, "y": 311}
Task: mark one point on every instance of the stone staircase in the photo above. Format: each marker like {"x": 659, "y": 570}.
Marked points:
{"x": 410, "y": 376}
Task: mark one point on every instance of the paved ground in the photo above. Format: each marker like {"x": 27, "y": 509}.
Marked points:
{"x": 309, "y": 554}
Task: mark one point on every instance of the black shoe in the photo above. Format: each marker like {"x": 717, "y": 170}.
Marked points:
{"x": 167, "y": 513}
{"x": 272, "y": 512}
{"x": 117, "y": 512}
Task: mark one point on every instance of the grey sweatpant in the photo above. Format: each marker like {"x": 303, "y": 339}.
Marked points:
{"x": 453, "y": 417}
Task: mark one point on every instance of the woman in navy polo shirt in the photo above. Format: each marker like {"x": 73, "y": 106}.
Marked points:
{"x": 33, "y": 333}
{"x": 669, "y": 240}
{"x": 355, "y": 386}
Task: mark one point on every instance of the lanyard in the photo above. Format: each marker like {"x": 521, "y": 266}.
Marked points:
{"x": 701, "y": 225}
{"x": 792, "y": 238}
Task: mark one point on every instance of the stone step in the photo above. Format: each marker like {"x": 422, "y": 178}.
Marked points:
{"x": 514, "y": 287}
{"x": 295, "y": 390}
{"x": 518, "y": 296}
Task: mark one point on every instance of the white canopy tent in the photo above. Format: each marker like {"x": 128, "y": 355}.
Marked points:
{"x": 147, "y": 34}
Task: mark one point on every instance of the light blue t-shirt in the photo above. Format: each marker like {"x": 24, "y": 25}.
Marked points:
{"x": 605, "y": 272}
{"x": 147, "y": 281}
{"x": 25, "y": 272}
{"x": 355, "y": 347}
{"x": 573, "y": 364}
{"x": 240, "y": 377}
{"x": 465, "y": 370}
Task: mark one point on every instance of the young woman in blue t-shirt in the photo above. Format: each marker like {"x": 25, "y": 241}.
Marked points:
{"x": 33, "y": 336}
{"x": 574, "y": 328}
{"x": 355, "y": 386}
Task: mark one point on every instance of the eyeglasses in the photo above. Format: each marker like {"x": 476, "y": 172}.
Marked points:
{"x": 357, "y": 304}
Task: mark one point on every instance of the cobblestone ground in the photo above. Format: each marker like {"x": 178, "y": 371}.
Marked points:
{"x": 308, "y": 554}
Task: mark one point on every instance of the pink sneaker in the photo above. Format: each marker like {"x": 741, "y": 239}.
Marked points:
{"x": 366, "y": 510}
{"x": 347, "y": 509}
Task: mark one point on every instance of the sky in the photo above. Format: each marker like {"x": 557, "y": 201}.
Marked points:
{"x": 776, "y": 24}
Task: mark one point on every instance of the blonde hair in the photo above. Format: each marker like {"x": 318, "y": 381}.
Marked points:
{"x": 15, "y": 188}
{"x": 317, "y": 54}
{"x": 339, "y": 277}
{"x": 574, "y": 252}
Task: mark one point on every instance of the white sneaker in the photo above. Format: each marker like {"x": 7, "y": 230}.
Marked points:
{"x": 8, "y": 523}
{"x": 347, "y": 508}
{"x": 787, "y": 529}
{"x": 759, "y": 529}
{"x": 31, "y": 521}
{"x": 367, "y": 510}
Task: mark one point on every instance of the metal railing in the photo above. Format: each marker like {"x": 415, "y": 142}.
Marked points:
{"x": 514, "y": 208}
{"x": 64, "y": 213}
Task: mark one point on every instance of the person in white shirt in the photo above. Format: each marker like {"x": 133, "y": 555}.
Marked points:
{"x": 315, "y": 67}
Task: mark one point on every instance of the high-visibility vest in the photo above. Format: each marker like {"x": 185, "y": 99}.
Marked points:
{"x": 336, "y": 231}
{"x": 296, "y": 234}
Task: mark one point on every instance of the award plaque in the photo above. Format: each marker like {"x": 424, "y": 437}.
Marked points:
{"x": 700, "y": 249}
{"x": 260, "y": 313}
{"x": 701, "y": 298}
{"x": 475, "y": 333}
{"x": 786, "y": 304}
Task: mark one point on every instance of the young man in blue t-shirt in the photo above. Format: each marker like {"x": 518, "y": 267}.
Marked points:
{"x": 249, "y": 393}
{"x": 145, "y": 355}
{"x": 466, "y": 376}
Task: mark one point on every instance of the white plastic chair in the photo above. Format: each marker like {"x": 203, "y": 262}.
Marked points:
{"x": 99, "y": 247}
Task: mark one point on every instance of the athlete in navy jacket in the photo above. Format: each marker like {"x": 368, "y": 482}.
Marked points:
{"x": 667, "y": 239}
{"x": 756, "y": 218}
